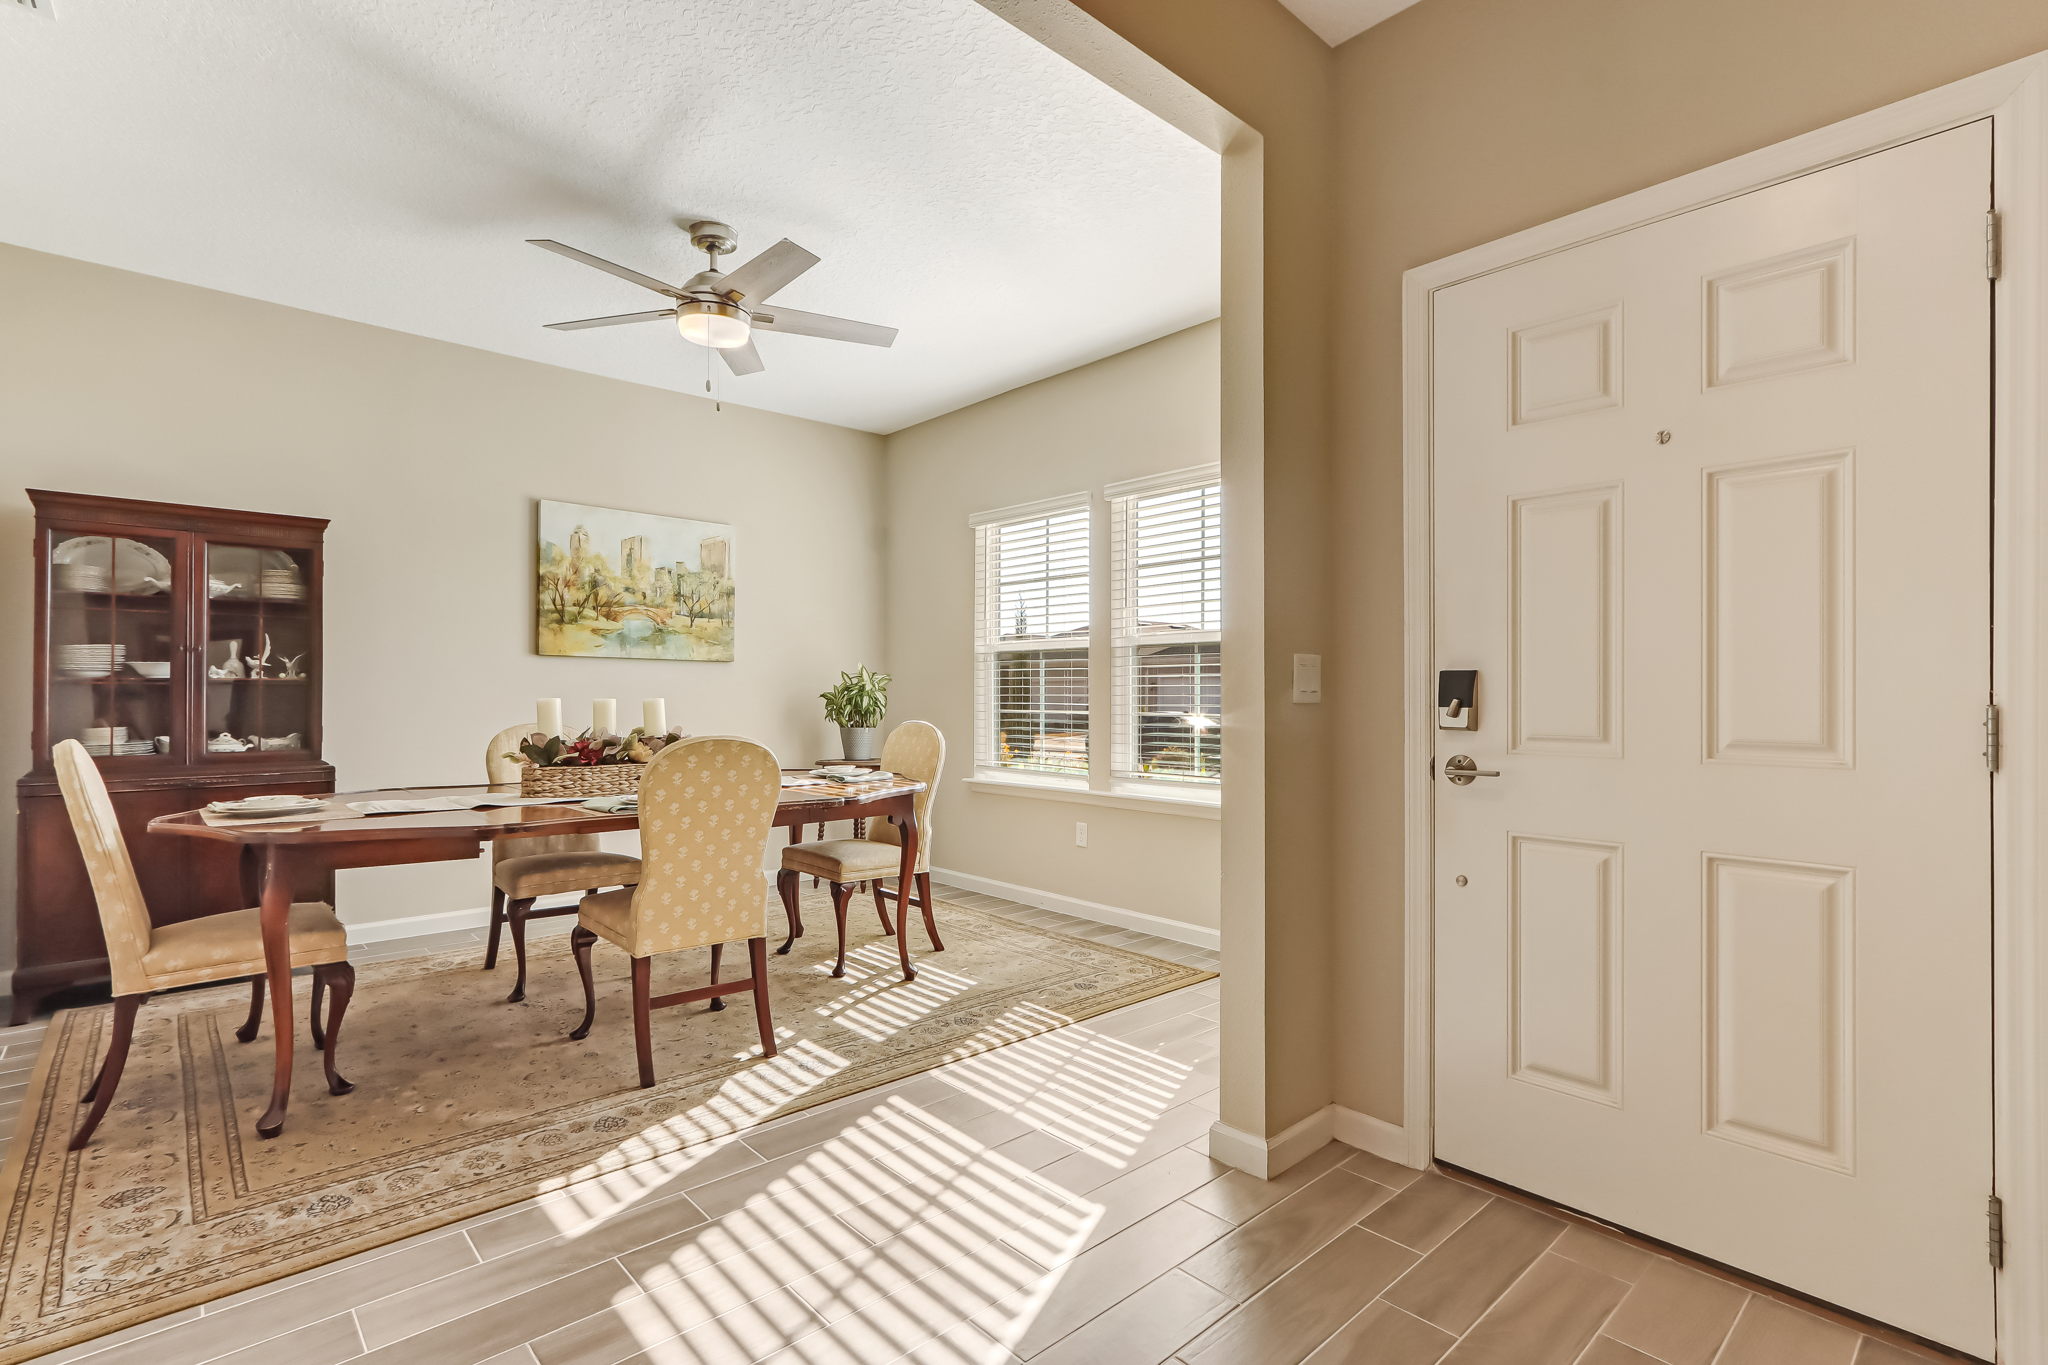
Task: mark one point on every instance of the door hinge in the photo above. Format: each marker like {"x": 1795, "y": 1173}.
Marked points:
{"x": 1995, "y": 1212}
{"x": 1992, "y": 254}
{"x": 1992, "y": 744}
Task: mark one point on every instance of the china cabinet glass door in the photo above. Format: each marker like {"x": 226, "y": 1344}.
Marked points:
{"x": 259, "y": 650}
{"x": 114, "y": 644}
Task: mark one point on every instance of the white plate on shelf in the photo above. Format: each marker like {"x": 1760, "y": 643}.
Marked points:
{"x": 136, "y": 568}
{"x": 149, "y": 668}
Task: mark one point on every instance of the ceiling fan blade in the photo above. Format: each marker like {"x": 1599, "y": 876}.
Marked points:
{"x": 804, "y": 324}
{"x": 767, "y": 272}
{"x": 612, "y": 321}
{"x": 608, "y": 267}
{"x": 742, "y": 359}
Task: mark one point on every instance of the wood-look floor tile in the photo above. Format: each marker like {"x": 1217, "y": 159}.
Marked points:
{"x": 1384, "y": 1335}
{"x": 1035, "y": 1150}
{"x": 1676, "y": 1314}
{"x": 1547, "y": 1317}
{"x": 1603, "y": 1251}
{"x": 1235, "y": 1196}
{"x": 1146, "y": 1328}
{"x": 1305, "y": 1306}
{"x": 1098, "y": 1163}
{"x": 745, "y": 1330}
{"x": 104, "y": 1346}
{"x": 424, "y": 1305}
{"x": 1109, "y": 1209}
{"x": 1474, "y": 1266}
{"x": 329, "y": 1341}
{"x": 1772, "y": 1333}
{"x": 1875, "y": 1352}
{"x": 1608, "y": 1351}
{"x": 1254, "y": 1255}
{"x": 1427, "y": 1211}
{"x": 500, "y": 1326}
{"x": 522, "y": 1354}
{"x": 309, "y": 1299}
{"x": 1381, "y": 1171}
{"x": 1099, "y": 1279}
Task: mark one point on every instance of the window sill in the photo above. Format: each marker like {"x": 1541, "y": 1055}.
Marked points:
{"x": 1203, "y": 805}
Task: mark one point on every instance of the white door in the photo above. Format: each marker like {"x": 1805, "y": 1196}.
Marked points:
{"x": 1713, "y": 951}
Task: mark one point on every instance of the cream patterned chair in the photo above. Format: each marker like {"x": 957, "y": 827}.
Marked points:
{"x": 707, "y": 808}
{"x": 145, "y": 957}
{"x": 914, "y": 749}
{"x": 526, "y": 868}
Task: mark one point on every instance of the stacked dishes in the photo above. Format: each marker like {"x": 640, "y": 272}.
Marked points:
{"x": 113, "y": 739}
{"x": 84, "y": 577}
{"x": 282, "y": 585}
{"x": 91, "y": 661}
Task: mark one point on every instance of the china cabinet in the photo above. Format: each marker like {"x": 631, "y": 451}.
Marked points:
{"x": 181, "y": 646}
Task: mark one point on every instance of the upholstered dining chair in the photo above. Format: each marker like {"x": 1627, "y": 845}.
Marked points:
{"x": 525, "y": 868}
{"x": 707, "y": 807}
{"x": 914, "y": 749}
{"x": 145, "y": 958}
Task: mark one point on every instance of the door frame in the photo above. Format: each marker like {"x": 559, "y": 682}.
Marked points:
{"x": 2015, "y": 98}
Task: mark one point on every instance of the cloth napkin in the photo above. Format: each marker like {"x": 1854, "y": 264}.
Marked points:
{"x": 625, "y": 803}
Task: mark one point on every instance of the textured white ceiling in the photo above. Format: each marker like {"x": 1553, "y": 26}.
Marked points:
{"x": 1336, "y": 20}
{"x": 384, "y": 161}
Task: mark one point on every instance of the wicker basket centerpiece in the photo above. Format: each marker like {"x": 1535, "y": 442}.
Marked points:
{"x": 600, "y": 765}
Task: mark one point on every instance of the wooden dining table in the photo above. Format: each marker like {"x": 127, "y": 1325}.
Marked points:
{"x": 280, "y": 854}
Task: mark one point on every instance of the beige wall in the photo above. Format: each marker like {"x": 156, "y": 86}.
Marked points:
{"x": 1145, "y": 411}
{"x": 1252, "y": 58}
{"x": 427, "y": 456}
{"x": 1462, "y": 121}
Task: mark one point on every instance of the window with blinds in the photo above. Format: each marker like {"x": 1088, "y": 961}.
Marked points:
{"x": 1166, "y": 623}
{"x": 1032, "y": 605}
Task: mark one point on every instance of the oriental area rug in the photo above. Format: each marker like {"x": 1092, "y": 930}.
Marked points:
{"x": 464, "y": 1103}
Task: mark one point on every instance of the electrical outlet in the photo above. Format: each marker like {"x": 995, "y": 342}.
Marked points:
{"x": 1080, "y": 834}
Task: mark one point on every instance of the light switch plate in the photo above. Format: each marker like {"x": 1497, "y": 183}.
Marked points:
{"x": 1308, "y": 677}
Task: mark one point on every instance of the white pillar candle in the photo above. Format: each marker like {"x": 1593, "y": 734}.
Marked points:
{"x": 604, "y": 716}
{"x": 654, "y": 715}
{"x": 547, "y": 714}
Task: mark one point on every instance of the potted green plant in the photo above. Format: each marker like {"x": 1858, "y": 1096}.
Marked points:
{"x": 855, "y": 704}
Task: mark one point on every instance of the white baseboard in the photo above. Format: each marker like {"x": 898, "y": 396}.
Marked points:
{"x": 416, "y": 926}
{"x": 1192, "y": 934}
{"x": 1368, "y": 1134}
{"x": 1268, "y": 1157}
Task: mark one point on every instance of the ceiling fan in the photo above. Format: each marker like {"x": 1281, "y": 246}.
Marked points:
{"x": 721, "y": 311}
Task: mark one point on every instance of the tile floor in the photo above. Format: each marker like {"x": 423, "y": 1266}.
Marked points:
{"x": 1050, "y": 1202}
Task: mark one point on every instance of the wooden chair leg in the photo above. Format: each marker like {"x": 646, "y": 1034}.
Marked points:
{"x": 497, "y": 925}
{"x": 340, "y": 978}
{"x": 316, "y": 1027}
{"x": 924, "y": 901}
{"x": 101, "y": 1093}
{"x": 515, "y": 917}
{"x": 882, "y": 908}
{"x": 841, "y": 894}
{"x": 785, "y": 883}
{"x": 580, "y": 940}
{"x": 717, "y": 952}
{"x": 757, "y": 957}
{"x": 254, "y": 1024}
{"x": 643, "y": 1035}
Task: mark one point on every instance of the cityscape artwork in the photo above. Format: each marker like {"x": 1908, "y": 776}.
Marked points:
{"x": 633, "y": 585}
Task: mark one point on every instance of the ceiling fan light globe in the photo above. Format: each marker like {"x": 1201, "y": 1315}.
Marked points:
{"x": 721, "y": 326}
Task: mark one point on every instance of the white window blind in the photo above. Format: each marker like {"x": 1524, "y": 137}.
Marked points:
{"x": 1166, "y": 620}
{"x": 1031, "y": 639}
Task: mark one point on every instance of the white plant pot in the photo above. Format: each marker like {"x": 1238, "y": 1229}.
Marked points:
{"x": 860, "y": 743}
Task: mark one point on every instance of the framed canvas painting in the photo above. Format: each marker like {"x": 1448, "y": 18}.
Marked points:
{"x": 633, "y": 585}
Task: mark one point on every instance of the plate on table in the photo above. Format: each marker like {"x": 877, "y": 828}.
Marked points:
{"x": 128, "y": 564}
{"x": 268, "y": 805}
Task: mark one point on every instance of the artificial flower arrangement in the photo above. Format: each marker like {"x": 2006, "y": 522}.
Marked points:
{"x": 588, "y": 765}
{"x": 589, "y": 750}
